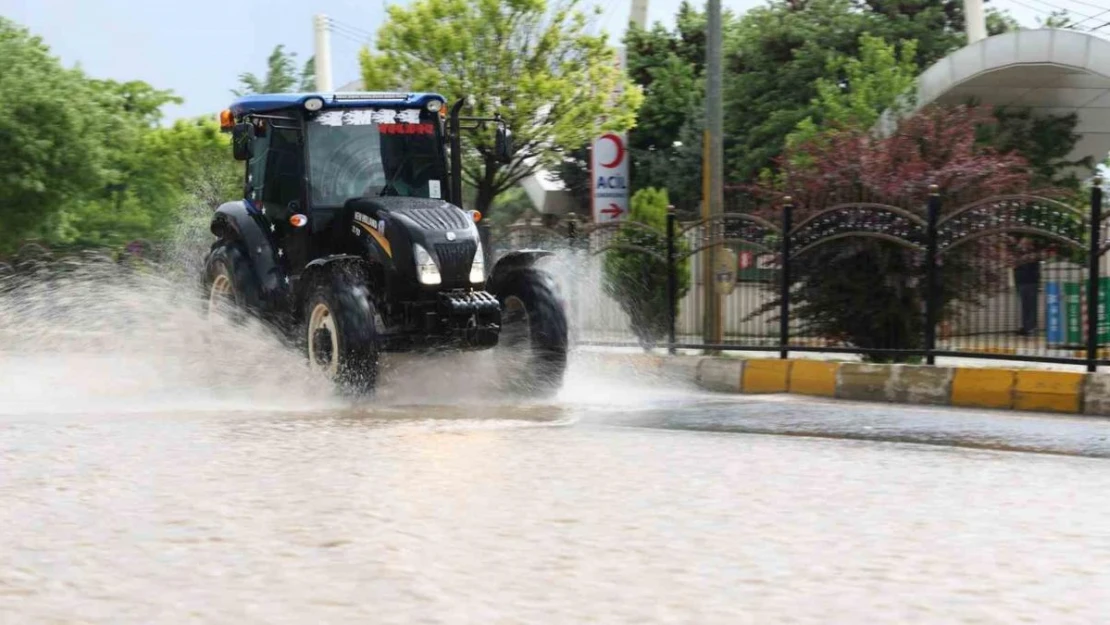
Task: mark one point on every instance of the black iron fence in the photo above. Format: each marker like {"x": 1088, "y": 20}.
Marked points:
{"x": 1015, "y": 277}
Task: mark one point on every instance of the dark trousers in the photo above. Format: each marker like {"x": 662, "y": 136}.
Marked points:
{"x": 1029, "y": 300}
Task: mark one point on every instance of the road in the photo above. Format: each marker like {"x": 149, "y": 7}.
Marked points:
{"x": 133, "y": 496}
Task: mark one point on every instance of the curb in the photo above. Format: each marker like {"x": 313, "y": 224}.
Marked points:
{"x": 1003, "y": 389}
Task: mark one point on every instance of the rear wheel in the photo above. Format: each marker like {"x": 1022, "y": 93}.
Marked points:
{"x": 532, "y": 347}
{"x": 340, "y": 333}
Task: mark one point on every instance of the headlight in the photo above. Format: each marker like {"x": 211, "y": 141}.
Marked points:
{"x": 478, "y": 266}
{"x": 426, "y": 270}
{"x": 314, "y": 104}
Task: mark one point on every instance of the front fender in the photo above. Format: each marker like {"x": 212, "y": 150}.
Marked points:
{"x": 321, "y": 267}
{"x": 519, "y": 259}
{"x": 236, "y": 221}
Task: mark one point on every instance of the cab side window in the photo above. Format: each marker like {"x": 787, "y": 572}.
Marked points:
{"x": 283, "y": 172}
{"x": 256, "y": 167}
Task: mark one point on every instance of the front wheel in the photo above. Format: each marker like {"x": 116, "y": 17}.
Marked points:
{"x": 532, "y": 347}
{"x": 231, "y": 288}
{"x": 339, "y": 328}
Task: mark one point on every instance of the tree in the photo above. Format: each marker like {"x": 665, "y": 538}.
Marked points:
{"x": 635, "y": 269}
{"x": 665, "y": 145}
{"x": 87, "y": 162}
{"x": 48, "y": 154}
{"x": 532, "y": 62}
{"x": 882, "y": 79}
{"x": 125, "y": 113}
{"x": 281, "y": 75}
{"x": 670, "y": 67}
{"x": 857, "y": 90}
{"x": 778, "y": 53}
{"x": 835, "y": 290}
{"x": 1044, "y": 140}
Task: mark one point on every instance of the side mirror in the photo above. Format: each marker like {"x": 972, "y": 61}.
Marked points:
{"x": 241, "y": 136}
{"x": 503, "y": 145}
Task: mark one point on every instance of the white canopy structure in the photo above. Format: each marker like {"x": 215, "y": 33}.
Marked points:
{"x": 1051, "y": 71}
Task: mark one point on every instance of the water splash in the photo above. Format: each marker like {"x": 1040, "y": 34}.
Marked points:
{"x": 86, "y": 335}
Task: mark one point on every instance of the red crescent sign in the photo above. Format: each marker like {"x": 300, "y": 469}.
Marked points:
{"x": 620, "y": 150}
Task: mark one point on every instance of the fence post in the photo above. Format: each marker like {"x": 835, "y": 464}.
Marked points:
{"x": 931, "y": 287}
{"x": 575, "y": 273}
{"x": 672, "y": 282}
{"x": 784, "y": 286}
{"x": 1092, "y": 275}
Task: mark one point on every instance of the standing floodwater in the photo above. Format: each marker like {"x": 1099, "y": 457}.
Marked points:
{"x": 155, "y": 470}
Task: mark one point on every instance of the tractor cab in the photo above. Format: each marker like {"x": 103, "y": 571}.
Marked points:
{"x": 310, "y": 155}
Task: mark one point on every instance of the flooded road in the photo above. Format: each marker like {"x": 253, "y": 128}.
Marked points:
{"x": 625, "y": 500}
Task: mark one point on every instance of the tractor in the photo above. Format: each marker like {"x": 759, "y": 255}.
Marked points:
{"x": 352, "y": 241}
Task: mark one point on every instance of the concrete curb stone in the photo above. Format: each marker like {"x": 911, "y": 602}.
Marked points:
{"x": 973, "y": 387}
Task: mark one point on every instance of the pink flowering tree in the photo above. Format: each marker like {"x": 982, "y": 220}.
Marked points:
{"x": 869, "y": 291}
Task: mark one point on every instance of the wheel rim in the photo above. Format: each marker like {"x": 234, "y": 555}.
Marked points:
{"x": 516, "y": 327}
{"x": 323, "y": 342}
{"x": 220, "y": 295}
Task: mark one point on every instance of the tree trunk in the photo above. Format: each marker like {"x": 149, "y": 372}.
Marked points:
{"x": 482, "y": 203}
{"x": 484, "y": 200}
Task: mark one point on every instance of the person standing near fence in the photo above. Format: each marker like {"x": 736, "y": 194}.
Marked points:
{"x": 1027, "y": 278}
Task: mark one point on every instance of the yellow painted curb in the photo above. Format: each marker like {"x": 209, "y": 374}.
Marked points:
{"x": 1001, "y": 351}
{"x": 1055, "y": 391}
{"x": 813, "y": 377}
{"x": 983, "y": 388}
{"x": 765, "y": 376}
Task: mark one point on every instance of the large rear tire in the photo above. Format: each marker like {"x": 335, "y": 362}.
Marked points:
{"x": 340, "y": 333}
{"x": 532, "y": 347}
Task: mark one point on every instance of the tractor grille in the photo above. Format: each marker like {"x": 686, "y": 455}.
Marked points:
{"x": 437, "y": 218}
{"x": 455, "y": 260}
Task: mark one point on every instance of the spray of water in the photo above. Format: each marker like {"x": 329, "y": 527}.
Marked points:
{"x": 87, "y": 335}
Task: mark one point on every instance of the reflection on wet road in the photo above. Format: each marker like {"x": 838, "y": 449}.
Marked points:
{"x": 624, "y": 501}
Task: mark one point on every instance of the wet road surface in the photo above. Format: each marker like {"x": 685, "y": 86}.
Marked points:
{"x": 625, "y": 500}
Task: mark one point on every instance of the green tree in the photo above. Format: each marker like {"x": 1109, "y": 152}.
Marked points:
{"x": 281, "y": 75}
{"x": 882, "y": 79}
{"x": 48, "y": 152}
{"x": 635, "y": 268}
{"x": 1045, "y": 141}
{"x": 124, "y": 115}
{"x": 665, "y": 145}
{"x": 857, "y": 90}
{"x": 534, "y": 63}
{"x": 777, "y": 55}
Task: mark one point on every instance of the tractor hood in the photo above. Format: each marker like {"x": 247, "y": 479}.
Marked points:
{"x": 444, "y": 230}
{"x": 419, "y": 216}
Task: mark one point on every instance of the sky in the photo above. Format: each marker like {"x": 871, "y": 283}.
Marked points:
{"x": 198, "y": 48}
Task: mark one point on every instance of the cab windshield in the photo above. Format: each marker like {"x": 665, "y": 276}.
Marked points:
{"x": 372, "y": 152}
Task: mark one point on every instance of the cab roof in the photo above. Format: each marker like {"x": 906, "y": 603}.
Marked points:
{"x": 268, "y": 102}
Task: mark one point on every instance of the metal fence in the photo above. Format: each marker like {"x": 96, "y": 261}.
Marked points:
{"x": 1015, "y": 277}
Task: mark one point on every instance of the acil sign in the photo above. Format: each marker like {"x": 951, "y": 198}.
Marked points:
{"x": 609, "y": 170}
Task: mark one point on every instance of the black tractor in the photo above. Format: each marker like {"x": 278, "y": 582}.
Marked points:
{"x": 352, "y": 241}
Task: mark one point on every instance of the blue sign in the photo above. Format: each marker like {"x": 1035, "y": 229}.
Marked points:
{"x": 1054, "y": 318}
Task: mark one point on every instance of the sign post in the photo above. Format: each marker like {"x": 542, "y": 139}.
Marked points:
{"x": 609, "y": 177}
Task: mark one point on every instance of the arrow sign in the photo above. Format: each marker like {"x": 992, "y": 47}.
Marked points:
{"x": 613, "y": 211}
{"x": 609, "y": 177}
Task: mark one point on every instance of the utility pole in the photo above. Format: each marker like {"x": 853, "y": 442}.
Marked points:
{"x": 713, "y": 175}
{"x": 638, "y": 15}
{"x": 976, "y": 21}
{"x": 323, "y": 53}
